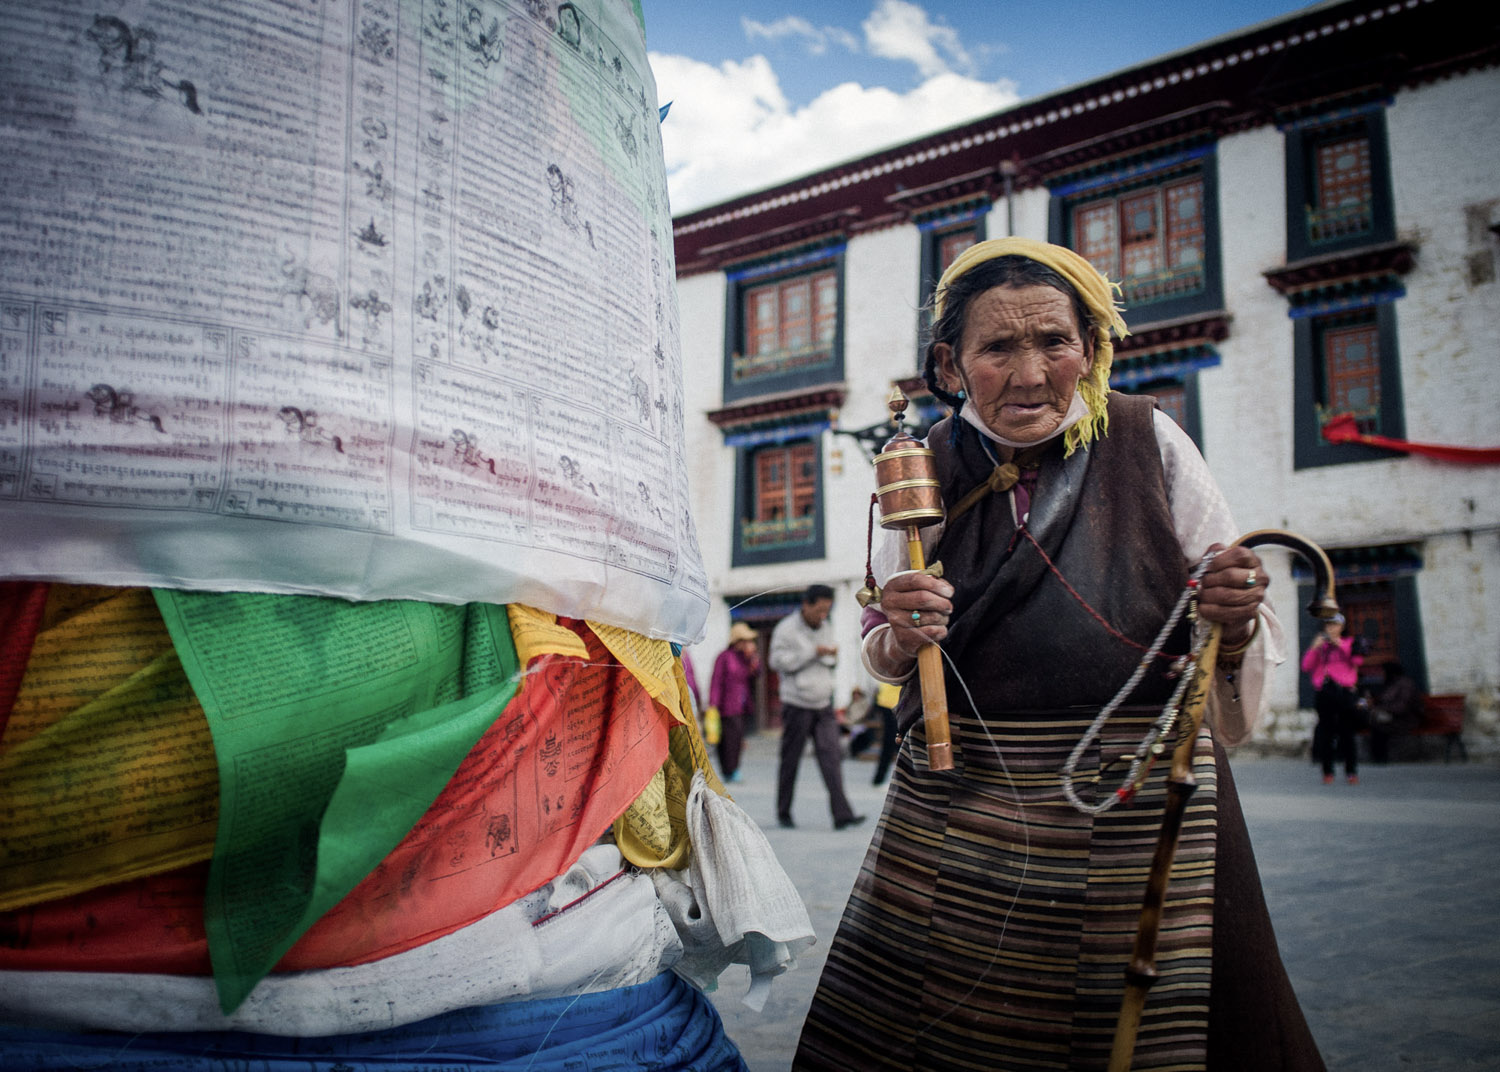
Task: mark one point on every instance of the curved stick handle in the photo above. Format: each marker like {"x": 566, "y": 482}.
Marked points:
{"x": 1140, "y": 973}
{"x": 1323, "y": 604}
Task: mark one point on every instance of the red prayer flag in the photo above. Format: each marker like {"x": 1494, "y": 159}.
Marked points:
{"x": 571, "y": 751}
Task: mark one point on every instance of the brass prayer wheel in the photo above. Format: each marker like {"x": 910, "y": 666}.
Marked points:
{"x": 910, "y": 498}
{"x": 906, "y": 476}
{"x": 907, "y": 485}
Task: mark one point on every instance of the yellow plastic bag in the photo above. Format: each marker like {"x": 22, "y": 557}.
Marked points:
{"x": 712, "y": 726}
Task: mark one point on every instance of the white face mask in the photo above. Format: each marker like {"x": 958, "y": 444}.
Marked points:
{"x": 1078, "y": 409}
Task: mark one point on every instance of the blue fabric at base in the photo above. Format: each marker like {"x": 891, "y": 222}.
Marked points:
{"x": 664, "y": 1024}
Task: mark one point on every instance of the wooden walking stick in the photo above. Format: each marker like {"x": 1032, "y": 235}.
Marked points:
{"x": 1141, "y": 971}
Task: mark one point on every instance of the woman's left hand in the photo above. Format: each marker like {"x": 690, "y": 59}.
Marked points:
{"x": 1232, "y": 591}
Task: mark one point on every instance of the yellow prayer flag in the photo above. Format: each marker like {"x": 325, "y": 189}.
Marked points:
{"x": 107, "y": 768}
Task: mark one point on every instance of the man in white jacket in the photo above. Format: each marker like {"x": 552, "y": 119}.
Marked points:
{"x": 803, "y": 653}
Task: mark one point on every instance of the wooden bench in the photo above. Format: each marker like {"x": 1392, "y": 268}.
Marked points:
{"x": 1443, "y": 716}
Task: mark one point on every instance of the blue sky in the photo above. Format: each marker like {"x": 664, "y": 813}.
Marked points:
{"x": 765, "y": 90}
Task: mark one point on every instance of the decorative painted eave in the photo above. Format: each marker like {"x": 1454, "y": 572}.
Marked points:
{"x": 1423, "y": 39}
{"x": 1168, "y": 349}
{"x": 1371, "y": 268}
{"x": 1116, "y": 148}
{"x": 788, "y": 407}
{"x": 1317, "y": 111}
{"x": 1378, "y": 562}
{"x": 972, "y": 186}
{"x": 786, "y": 238}
{"x": 1173, "y": 335}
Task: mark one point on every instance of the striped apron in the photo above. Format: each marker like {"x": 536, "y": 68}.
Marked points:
{"x": 991, "y": 922}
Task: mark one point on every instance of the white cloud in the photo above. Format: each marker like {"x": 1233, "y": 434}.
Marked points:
{"x": 732, "y": 130}
{"x": 898, "y": 30}
{"x": 816, "y": 40}
{"x": 841, "y": 36}
{"x": 788, "y": 26}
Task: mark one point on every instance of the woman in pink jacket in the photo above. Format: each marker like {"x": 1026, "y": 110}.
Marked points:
{"x": 1333, "y": 667}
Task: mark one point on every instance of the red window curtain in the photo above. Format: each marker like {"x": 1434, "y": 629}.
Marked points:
{"x": 1185, "y": 230}
{"x": 1094, "y": 235}
{"x": 1153, "y": 241}
{"x": 1172, "y": 398}
{"x": 803, "y": 461}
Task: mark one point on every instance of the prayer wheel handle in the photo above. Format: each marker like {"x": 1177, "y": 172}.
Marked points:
{"x": 910, "y": 497}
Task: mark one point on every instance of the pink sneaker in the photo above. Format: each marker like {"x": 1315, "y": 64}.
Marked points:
{"x": 1353, "y": 779}
{"x": 1327, "y": 779}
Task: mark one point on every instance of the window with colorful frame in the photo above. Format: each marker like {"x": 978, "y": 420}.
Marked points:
{"x": 783, "y": 325}
{"x": 1338, "y": 184}
{"x": 779, "y": 503}
{"x": 1153, "y": 228}
{"x": 1346, "y": 363}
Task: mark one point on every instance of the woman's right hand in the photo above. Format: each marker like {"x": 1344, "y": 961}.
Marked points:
{"x": 918, "y": 609}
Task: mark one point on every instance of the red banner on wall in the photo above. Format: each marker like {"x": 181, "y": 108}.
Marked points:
{"x": 1344, "y": 429}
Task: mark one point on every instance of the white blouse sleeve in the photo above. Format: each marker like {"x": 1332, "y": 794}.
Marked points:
{"x": 1201, "y": 517}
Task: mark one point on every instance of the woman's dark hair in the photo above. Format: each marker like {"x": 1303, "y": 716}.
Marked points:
{"x": 1011, "y": 270}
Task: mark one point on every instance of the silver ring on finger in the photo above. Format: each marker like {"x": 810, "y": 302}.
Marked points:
{"x": 916, "y": 617}
{"x": 1251, "y": 580}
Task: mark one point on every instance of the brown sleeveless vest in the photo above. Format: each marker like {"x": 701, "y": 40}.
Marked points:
{"x": 1019, "y": 639}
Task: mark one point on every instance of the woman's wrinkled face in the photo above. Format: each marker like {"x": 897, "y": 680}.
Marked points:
{"x": 1019, "y": 360}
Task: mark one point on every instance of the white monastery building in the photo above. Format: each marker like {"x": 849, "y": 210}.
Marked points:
{"x": 1305, "y": 221}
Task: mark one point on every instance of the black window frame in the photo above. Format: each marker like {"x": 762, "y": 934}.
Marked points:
{"x": 744, "y": 507}
{"x": 1309, "y": 449}
{"x": 741, "y": 280}
{"x": 1171, "y": 166}
{"x": 1302, "y": 142}
{"x": 933, "y": 233}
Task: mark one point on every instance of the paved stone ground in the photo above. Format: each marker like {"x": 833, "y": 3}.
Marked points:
{"x": 1385, "y": 897}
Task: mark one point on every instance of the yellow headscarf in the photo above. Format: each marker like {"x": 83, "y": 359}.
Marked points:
{"x": 1098, "y": 295}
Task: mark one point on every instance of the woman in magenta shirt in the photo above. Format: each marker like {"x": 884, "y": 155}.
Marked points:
{"x": 732, "y": 691}
{"x": 1333, "y": 668}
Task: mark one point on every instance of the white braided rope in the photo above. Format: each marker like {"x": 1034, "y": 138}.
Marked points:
{"x": 1151, "y": 744}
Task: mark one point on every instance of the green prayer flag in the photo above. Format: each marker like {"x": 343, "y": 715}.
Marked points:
{"x": 336, "y": 725}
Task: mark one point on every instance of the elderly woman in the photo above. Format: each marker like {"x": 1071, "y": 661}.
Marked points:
{"x": 992, "y": 921}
